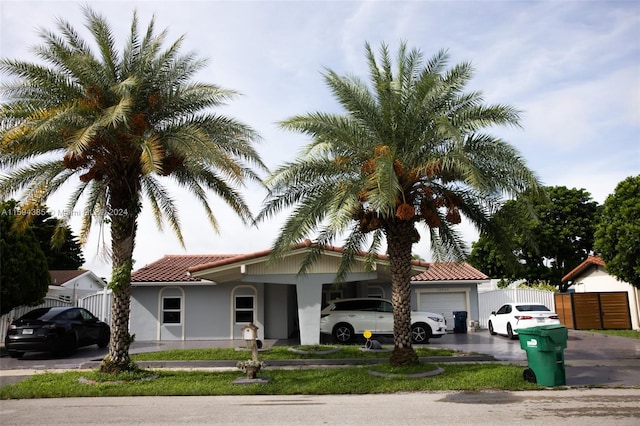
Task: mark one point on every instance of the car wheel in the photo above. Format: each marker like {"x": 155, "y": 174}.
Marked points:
{"x": 343, "y": 333}
{"x": 15, "y": 354}
{"x": 421, "y": 333}
{"x": 103, "y": 341}
{"x": 68, "y": 345}
{"x": 510, "y": 334}
{"x": 491, "y": 330}
{"x": 529, "y": 376}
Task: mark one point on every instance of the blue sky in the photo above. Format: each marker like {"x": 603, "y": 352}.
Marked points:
{"x": 571, "y": 67}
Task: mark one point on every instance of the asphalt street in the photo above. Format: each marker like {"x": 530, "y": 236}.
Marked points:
{"x": 580, "y": 407}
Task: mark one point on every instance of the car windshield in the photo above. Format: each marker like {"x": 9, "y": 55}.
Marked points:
{"x": 531, "y": 308}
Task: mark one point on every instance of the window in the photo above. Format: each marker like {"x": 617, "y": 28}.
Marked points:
{"x": 385, "y": 306}
{"x": 171, "y": 310}
{"x": 244, "y": 309}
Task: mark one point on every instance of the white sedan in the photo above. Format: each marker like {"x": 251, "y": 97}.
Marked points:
{"x": 512, "y": 316}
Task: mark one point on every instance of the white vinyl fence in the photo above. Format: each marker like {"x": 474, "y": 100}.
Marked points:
{"x": 492, "y": 300}
{"x": 98, "y": 304}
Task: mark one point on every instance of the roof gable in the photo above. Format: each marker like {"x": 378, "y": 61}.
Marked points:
{"x": 307, "y": 244}
{"x": 450, "y": 271}
{"x": 588, "y": 263}
{"x": 60, "y": 277}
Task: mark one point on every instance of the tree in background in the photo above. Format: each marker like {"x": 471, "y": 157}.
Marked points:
{"x": 544, "y": 248}
{"x": 60, "y": 246}
{"x": 118, "y": 123}
{"x": 410, "y": 152}
{"x": 24, "y": 275}
{"x": 617, "y": 238}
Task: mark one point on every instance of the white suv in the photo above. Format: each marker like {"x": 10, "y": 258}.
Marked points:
{"x": 346, "y": 318}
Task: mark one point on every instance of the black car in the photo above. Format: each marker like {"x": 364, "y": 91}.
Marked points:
{"x": 59, "y": 330}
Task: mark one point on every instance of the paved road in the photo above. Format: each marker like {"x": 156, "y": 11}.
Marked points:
{"x": 580, "y": 407}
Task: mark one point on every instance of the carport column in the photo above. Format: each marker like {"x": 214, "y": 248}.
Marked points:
{"x": 309, "y": 293}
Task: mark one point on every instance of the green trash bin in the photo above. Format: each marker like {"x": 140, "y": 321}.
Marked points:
{"x": 545, "y": 346}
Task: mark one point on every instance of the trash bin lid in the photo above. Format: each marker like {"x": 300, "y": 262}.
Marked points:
{"x": 555, "y": 332}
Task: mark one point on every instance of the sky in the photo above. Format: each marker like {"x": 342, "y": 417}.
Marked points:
{"x": 571, "y": 67}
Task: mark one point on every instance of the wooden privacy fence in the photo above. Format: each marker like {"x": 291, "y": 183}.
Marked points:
{"x": 594, "y": 311}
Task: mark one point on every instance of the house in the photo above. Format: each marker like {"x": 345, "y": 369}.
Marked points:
{"x": 591, "y": 277}
{"x": 211, "y": 297}
{"x": 71, "y": 285}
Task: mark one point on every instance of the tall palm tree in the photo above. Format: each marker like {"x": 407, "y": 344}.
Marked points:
{"x": 409, "y": 150}
{"x": 116, "y": 125}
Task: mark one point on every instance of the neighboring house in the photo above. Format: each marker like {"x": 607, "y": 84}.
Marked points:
{"x": 71, "y": 285}
{"x": 591, "y": 276}
{"x": 211, "y": 297}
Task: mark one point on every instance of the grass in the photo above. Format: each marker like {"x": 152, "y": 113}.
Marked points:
{"x": 283, "y": 381}
{"x": 275, "y": 352}
{"x": 631, "y": 334}
{"x": 317, "y": 381}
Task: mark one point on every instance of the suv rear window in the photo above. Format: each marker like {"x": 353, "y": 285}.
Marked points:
{"x": 357, "y": 305}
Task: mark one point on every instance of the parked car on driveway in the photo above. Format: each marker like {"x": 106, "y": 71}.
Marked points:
{"x": 346, "y": 318}
{"x": 512, "y": 316}
{"x": 58, "y": 330}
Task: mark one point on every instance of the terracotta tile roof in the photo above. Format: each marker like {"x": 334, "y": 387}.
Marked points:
{"x": 450, "y": 271}
{"x": 174, "y": 267}
{"x": 586, "y": 264}
{"x": 59, "y": 277}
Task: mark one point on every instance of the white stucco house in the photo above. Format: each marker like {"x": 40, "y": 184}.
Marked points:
{"x": 591, "y": 276}
{"x": 211, "y": 297}
{"x": 71, "y": 285}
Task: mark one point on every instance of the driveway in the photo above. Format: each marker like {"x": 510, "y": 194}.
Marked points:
{"x": 590, "y": 358}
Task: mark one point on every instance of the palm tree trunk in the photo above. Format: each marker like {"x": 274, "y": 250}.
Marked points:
{"x": 124, "y": 214}
{"x": 399, "y": 243}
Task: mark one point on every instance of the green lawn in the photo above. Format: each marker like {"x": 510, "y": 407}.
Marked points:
{"x": 315, "y": 381}
{"x": 282, "y": 381}
{"x": 631, "y": 334}
{"x": 291, "y": 380}
{"x": 277, "y": 352}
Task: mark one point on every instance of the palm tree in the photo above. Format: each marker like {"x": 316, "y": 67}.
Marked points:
{"x": 409, "y": 150}
{"x": 116, "y": 125}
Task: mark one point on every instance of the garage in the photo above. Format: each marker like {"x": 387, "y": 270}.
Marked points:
{"x": 444, "y": 303}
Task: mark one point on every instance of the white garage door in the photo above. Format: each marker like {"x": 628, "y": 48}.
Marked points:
{"x": 445, "y": 304}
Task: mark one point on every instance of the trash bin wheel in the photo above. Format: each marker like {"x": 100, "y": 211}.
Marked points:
{"x": 529, "y": 375}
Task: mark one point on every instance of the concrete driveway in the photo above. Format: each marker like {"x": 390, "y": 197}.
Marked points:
{"x": 590, "y": 358}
